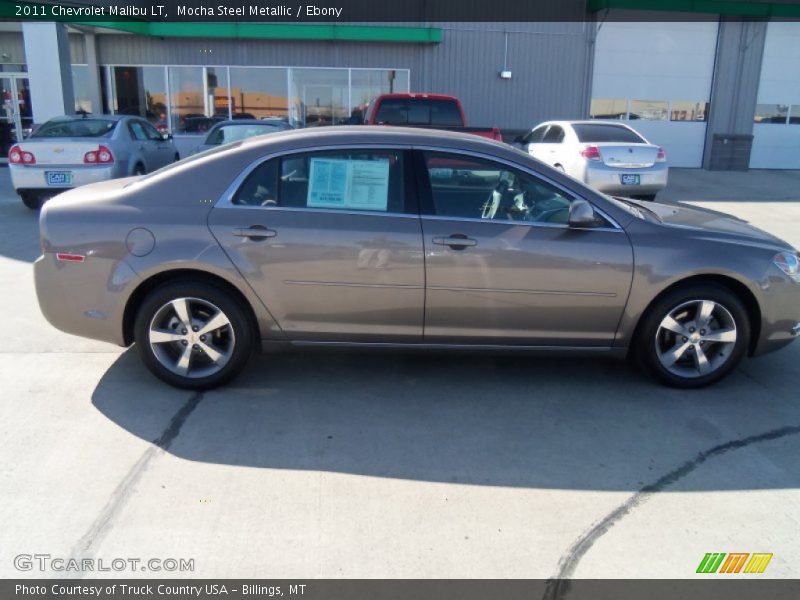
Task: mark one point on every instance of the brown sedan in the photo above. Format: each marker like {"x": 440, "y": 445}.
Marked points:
{"x": 389, "y": 237}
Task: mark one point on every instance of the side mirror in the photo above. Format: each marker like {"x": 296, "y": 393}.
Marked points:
{"x": 581, "y": 214}
{"x": 166, "y": 136}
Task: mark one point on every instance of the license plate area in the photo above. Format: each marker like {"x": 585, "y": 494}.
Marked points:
{"x": 58, "y": 178}
{"x": 629, "y": 179}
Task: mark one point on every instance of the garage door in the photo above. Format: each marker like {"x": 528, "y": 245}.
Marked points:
{"x": 658, "y": 76}
{"x": 776, "y": 132}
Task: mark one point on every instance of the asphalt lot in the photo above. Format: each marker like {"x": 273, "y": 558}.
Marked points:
{"x": 396, "y": 465}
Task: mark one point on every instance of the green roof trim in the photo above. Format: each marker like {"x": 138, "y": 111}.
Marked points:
{"x": 279, "y": 31}
{"x": 720, "y": 7}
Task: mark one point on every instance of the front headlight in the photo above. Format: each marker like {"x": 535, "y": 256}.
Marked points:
{"x": 789, "y": 263}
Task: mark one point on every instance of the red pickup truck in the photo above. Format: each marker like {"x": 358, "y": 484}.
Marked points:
{"x": 436, "y": 111}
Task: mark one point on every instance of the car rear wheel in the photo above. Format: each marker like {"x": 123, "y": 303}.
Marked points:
{"x": 693, "y": 336}
{"x": 193, "y": 335}
{"x": 32, "y": 201}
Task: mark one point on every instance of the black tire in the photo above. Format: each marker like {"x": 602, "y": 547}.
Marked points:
{"x": 242, "y": 339}
{"x": 646, "y": 345}
{"x": 177, "y": 157}
{"x": 30, "y": 200}
{"x": 560, "y": 168}
{"x": 647, "y": 197}
{"x": 139, "y": 169}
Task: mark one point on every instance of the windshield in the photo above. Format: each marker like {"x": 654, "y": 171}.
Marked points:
{"x": 419, "y": 111}
{"x": 234, "y": 133}
{"x": 602, "y": 132}
{"x": 87, "y": 128}
{"x": 637, "y": 210}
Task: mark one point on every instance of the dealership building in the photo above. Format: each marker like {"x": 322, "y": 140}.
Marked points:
{"x": 718, "y": 91}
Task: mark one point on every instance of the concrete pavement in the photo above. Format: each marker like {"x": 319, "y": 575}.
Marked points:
{"x": 395, "y": 465}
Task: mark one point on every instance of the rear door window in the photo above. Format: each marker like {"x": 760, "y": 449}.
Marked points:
{"x": 601, "y": 132}
{"x": 536, "y": 136}
{"x": 554, "y": 135}
{"x": 363, "y": 180}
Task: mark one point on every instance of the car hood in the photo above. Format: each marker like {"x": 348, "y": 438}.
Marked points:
{"x": 717, "y": 224}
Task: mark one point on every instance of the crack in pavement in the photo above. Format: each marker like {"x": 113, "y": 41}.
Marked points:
{"x": 558, "y": 587}
{"x": 122, "y": 493}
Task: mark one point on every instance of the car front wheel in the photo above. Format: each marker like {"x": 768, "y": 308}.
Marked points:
{"x": 693, "y": 336}
{"x": 193, "y": 335}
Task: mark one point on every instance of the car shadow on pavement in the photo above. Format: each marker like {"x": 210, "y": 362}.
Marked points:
{"x": 20, "y": 239}
{"x": 498, "y": 420}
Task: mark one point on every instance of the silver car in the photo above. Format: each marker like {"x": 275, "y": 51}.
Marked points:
{"x": 608, "y": 156}
{"x": 71, "y": 151}
{"x": 381, "y": 237}
{"x": 235, "y": 130}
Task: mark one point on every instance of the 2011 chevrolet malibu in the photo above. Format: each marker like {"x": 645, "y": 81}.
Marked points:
{"x": 392, "y": 237}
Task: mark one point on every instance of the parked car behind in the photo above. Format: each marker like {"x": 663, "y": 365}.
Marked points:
{"x": 407, "y": 238}
{"x": 435, "y": 111}
{"x": 226, "y": 132}
{"x": 67, "y": 152}
{"x": 609, "y": 156}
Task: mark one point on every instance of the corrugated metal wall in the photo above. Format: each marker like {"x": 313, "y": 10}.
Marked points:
{"x": 548, "y": 61}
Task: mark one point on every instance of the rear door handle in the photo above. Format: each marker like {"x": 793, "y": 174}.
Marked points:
{"x": 257, "y": 233}
{"x": 457, "y": 241}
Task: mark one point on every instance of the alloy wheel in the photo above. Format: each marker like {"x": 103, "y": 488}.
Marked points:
{"x": 191, "y": 337}
{"x": 696, "y": 338}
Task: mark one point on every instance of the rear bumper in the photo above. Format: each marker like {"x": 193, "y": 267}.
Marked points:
{"x": 85, "y": 299}
{"x": 33, "y": 178}
{"x": 608, "y": 179}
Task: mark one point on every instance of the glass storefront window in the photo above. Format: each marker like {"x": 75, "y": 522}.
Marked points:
{"x": 649, "y": 110}
{"x": 259, "y": 92}
{"x": 80, "y": 86}
{"x": 365, "y": 84}
{"x": 688, "y": 111}
{"x": 140, "y": 91}
{"x": 187, "y": 107}
{"x": 605, "y": 108}
{"x": 217, "y": 100}
{"x": 319, "y": 97}
{"x": 772, "y": 113}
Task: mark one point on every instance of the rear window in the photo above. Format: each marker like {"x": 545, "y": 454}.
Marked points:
{"x": 597, "y": 132}
{"x": 87, "y": 128}
{"x": 419, "y": 111}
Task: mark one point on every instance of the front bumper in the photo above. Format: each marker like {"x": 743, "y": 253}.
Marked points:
{"x": 780, "y": 312}
{"x": 34, "y": 179}
{"x": 607, "y": 179}
{"x": 86, "y": 299}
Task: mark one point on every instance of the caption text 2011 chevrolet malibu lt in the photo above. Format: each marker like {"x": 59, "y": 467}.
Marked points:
{"x": 391, "y": 237}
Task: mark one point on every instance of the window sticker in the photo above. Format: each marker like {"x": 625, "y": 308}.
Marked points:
{"x": 348, "y": 184}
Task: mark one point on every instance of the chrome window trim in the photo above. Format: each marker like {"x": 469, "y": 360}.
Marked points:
{"x": 226, "y": 199}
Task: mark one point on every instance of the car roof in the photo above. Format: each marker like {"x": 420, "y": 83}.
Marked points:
{"x": 407, "y": 95}
{"x": 359, "y": 135}
{"x": 265, "y": 122}
{"x": 93, "y": 117}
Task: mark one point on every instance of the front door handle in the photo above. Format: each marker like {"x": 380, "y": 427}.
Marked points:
{"x": 457, "y": 241}
{"x": 257, "y": 233}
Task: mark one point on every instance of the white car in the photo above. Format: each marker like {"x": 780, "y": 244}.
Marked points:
{"x": 609, "y": 156}
{"x": 71, "y": 151}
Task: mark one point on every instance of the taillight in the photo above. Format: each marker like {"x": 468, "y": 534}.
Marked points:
{"x": 591, "y": 152}
{"x": 661, "y": 156}
{"x": 17, "y": 156}
{"x": 101, "y": 156}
